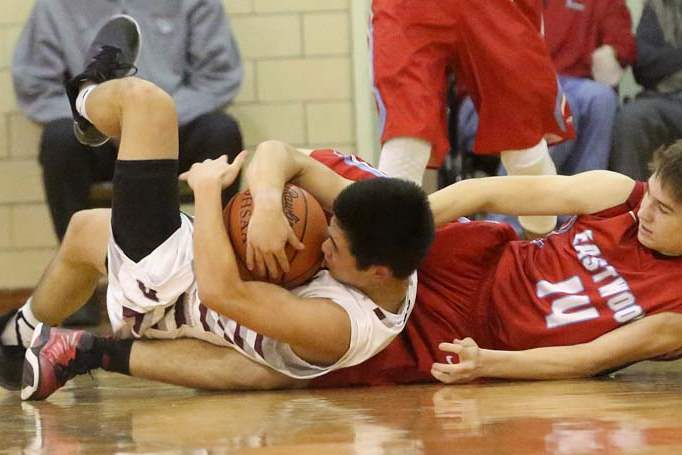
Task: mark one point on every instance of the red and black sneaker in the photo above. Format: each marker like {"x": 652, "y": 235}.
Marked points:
{"x": 54, "y": 357}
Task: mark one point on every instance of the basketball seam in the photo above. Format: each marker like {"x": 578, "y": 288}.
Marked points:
{"x": 305, "y": 225}
{"x": 315, "y": 265}
{"x": 240, "y": 261}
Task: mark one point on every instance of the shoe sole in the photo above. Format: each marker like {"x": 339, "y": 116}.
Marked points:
{"x": 7, "y": 384}
{"x": 83, "y": 138}
{"x": 139, "y": 33}
{"x": 80, "y": 135}
{"x": 32, "y": 364}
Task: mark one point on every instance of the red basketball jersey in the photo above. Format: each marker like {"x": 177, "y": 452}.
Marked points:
{"x": 571, "y": 287}
{"x": 348, "y": 166}
{"x": 581, "y": 282}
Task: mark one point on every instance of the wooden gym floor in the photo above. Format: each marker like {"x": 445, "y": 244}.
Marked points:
{"x": 639, "y": 411}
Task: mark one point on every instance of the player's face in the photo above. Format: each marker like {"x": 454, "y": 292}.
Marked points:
{"x": 337, "y": 256}
{"x": 660, "y": 220}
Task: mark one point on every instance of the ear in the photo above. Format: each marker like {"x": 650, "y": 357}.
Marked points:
{"x": 381, "y": 272}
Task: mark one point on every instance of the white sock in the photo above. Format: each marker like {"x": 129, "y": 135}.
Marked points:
{"x": 405, "y": 157}
{"x": 532, "y": 161}
{"x": 19, "y": 329}
{"x": 80, "y": 100}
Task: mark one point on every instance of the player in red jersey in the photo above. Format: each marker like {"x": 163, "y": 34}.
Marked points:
{"x": 599, "y": 294}
{"x": 495, "y": 52}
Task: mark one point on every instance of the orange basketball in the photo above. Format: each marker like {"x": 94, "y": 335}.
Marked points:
{"x": 305, "y": 216}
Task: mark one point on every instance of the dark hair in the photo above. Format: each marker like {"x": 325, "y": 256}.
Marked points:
{"x": 387, "y": 221}
{"x": 667, "y": 166}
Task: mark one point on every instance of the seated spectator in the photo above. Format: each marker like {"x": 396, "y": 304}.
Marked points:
{"x": 654, "y": 118}
{"x": 199, "y": 65}
{"x": 590, "y": 42}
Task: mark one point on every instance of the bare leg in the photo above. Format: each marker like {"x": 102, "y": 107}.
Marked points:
{"x": 72, "y": 276}
{"x": 131, "y": 108}
{"x": 197, "y": 364}
{"x": 405, "y": 157}
{"x": 531, "y": 161}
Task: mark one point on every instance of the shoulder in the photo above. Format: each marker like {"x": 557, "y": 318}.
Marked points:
{"x": 631, "y": 201}
{"x": 349, "y": 166}
{"x": 324, "y": 285}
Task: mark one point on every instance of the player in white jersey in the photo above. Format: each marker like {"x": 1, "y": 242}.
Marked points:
{"x": 178, "y": 312}
{"x": 172, "y": 277}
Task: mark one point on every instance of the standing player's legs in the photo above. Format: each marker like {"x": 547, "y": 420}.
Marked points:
{"x": 405, "y": 157}
{"x": 409, "y": 53}
{"x": 503, "y": 63}
{"x": 531, "y": 161}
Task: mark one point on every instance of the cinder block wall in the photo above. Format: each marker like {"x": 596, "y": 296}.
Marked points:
{"x": 298, "y": 88}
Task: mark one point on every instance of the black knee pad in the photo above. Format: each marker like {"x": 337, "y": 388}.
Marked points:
{"x": 145, "y": 206}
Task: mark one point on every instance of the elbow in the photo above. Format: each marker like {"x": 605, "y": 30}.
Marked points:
{"x": 209, "y": 298}
{"x": 580, "y": 361}
{"x": 589, "y": 370}
{"x": 270, "y": 144}
{"x": 590, "y": 366}
{"x": 222, "y": 298}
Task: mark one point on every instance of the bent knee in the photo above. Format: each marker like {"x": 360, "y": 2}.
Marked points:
{"x": 87, "y": 237}
{"x": 141, "y": 94}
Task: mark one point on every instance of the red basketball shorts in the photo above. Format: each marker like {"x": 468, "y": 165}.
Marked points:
{"x": 495, "y": 52}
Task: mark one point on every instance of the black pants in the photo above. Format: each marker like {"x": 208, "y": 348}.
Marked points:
{"x": 642, "y": 126}
{"x": 70, "y": 168}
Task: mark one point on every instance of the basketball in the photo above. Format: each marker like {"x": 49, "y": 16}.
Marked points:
{"x": 306, "y": 217}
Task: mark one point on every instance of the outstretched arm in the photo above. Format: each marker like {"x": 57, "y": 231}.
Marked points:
{"x": 644, "y": 339}
{"x": 588, "y": 192}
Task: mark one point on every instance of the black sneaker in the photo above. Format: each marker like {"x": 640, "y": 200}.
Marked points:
{"x": 11, "y": 359}
{"x": 112, "y": 55}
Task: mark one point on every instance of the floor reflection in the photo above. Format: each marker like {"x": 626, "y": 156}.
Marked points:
{"x": 633, "y": 413}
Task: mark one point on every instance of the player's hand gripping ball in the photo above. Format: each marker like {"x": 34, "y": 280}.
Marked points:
{"x": 305, "y": 216}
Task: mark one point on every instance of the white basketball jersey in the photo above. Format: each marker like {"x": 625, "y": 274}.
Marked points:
{"x": 372, "y": 328}
{"x": 157, "y": 297}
